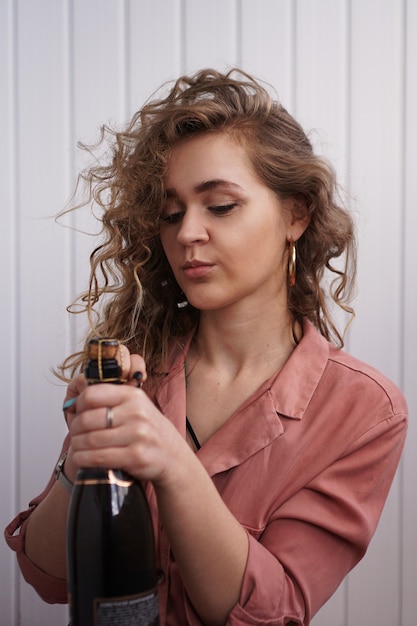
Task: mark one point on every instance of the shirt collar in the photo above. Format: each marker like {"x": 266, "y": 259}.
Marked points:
{"x": 257, "y": 423}
{"x": 294, "y": 386}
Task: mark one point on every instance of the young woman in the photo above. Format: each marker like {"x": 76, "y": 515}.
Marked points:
{"x": 267, "y": 451}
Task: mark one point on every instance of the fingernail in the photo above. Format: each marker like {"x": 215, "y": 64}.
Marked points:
{"x": 68, "y": 403}
{"x": 138, "y": 377}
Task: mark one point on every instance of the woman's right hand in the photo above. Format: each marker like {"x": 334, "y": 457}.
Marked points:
{"x": 75, "y": 387}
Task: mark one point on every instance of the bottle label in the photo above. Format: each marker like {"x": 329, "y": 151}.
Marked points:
{"x": 138, "y": 610}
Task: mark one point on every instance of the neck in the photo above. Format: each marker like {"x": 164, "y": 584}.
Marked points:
{"x": 253, "y": 340}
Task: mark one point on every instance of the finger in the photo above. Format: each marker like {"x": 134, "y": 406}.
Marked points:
{"x": 103, "y": 396}
{"x": 93, "y": 420}
{"x": 102, "y": 457}
{"x": 137, "y": 364}
{"x": 76, "y": 386}
{"x": 124, "y": 360}
{"x": 95, "y": 445}
{"x": 119, "y": 447}
{"x": 106, "y": 427}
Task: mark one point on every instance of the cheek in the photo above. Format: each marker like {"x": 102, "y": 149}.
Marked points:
{"x": 172, "y": 254}
{"x": 167, "y": 245}
{"x": 264, "y": 242}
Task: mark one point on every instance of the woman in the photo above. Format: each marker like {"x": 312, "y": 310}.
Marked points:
{"x": 220, "y": 227}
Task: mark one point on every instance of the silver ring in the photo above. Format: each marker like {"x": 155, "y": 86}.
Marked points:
{"x": 109, "y": 417}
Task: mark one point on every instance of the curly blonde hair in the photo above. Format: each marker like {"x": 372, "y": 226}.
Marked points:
{"x": 129, "y": 268}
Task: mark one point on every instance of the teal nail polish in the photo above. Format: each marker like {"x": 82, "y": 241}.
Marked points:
{"x": 68, "y": 403}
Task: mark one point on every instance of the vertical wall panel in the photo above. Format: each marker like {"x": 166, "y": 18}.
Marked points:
{"x": 409, "y": 474}
{"x": 155, "y": 47}
{"x": 98, "y": 91}
{"x": 43, "y": 256}
{"x": 210, "y": 40}
{"x": 321, "y": 77}
{"x": 8, "y": 260}
{"x": 320, "y": 81}
{"x": 376, "y": 93}
{"x": 42, "y": 245}
{"x": 321, "y": 89}
{"x": 267, "y": 42}
{"x": 376, "y": 157}
{"x": 69, "y": 66}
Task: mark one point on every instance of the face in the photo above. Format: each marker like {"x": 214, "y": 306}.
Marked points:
{"x": 223, "y": 231}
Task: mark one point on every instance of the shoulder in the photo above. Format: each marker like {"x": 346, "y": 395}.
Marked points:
{"x": 349, "y": 402}
{"x": 335, "y": 377}
{"x": 323, "y": 379}
{"x": 366, "y": 381}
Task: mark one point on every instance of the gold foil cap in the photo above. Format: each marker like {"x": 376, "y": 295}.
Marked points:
{"x": 103, "y": 349}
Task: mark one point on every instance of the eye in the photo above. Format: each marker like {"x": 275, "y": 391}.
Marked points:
{"x": 172, "y": 218}
{"x": 222, "y": 209}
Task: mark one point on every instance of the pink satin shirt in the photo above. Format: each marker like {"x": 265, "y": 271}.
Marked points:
{"x": 305, "y": 465}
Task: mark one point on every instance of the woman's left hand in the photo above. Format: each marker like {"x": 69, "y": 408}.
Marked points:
{"x": 141, "y": 440}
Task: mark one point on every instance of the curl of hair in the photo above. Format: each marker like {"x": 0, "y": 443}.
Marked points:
{"x": 129, "y": 270}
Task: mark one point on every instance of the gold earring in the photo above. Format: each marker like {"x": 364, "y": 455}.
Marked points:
{"x": 292, "y": 263}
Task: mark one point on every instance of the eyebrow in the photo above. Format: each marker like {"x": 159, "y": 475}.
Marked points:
{"x": 206, "y": 185}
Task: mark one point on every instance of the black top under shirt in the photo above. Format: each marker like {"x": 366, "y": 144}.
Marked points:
{"x": 192, "y": 434}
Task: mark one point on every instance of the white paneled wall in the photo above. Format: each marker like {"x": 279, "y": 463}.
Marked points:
{"x": 347, "y": 69}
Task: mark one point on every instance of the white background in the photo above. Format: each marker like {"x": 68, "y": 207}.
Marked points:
{"x": 347, "y": 69}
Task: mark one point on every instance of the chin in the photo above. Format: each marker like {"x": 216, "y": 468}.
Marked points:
{"x": 206, "y": 304}
{"x": 205, "y": 301}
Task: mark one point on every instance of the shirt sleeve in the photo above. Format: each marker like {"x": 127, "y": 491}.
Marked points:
{"x": 50, "y": 589}
{"x": 314, "y": 539}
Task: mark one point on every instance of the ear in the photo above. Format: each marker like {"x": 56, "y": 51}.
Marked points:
{"x": 300, "y": 218}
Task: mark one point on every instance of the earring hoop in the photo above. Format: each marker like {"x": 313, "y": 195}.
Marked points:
{"x": 292, "y": 263}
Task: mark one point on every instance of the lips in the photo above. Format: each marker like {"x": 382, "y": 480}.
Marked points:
{"x": 196, "y": 269}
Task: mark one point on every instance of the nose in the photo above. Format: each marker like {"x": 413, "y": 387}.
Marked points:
{"x": 193, "y": 228}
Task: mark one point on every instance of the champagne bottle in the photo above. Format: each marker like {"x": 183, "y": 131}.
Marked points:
{"x": 112, "y": 575}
